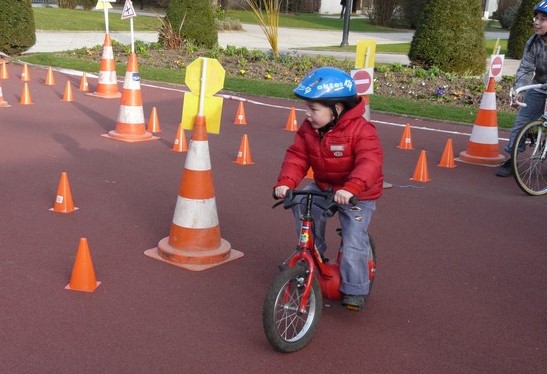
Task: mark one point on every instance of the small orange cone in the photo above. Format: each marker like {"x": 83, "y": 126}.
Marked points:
{"x": 107, "y": 84}
{"x": 25, "y": 95}
{"x": 153, "y": 121}
{"x": 68, "y": 95}
{"x": 292, "y": 124}
{"x": 83, "y": 275}
{"x": 180, "y": 142}
{"x": 4, "y": 71}
{"x": 420, "y": 173}
{"x": 3, "y": 103}
{"x": 50, "y": 79}
{"x": 63, "y": 201}
{"x": 240, "y": 119}
{"x": 406, "y": 139}
{"x": 244, "y": 154}
{"x": 447, "y": 159}
{"x": 309, "y": 175}
{"x": 84, "y": 86}
{"x": 25, "y": 75}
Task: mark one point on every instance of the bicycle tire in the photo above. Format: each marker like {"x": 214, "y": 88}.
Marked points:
{"x": 285, "y": 328}
{"x": 529, "y": 161}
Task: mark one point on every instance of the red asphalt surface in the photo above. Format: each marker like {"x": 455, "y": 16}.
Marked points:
{"x": 461, "y": 259}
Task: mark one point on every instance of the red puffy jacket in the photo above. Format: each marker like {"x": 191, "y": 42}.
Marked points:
{"x": 348, "y": 157}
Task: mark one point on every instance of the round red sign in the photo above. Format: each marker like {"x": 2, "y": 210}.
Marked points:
{"x": 495, "y": 66}
{"x": 362, "y": 80}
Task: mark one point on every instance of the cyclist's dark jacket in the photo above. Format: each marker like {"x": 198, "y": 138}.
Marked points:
{"x": 349, "y": 156}
{"x": 533, "y": 65}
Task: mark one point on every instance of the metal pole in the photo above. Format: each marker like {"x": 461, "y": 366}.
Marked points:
{"x": 347, "y": 16}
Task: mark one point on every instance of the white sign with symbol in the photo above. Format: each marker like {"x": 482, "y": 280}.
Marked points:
{"x": 128, "y": 10}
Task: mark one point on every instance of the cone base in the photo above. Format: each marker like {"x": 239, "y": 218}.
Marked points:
{"x": 193, "y": 260}
{"x": 244, "y": 163}
{"x": 130, "y": 138}
{"x": 67, "y": 287}
{"x": 113, "y": 95}
{"x": 483, "y": 161}
{"x": 4, "y": 104}
{"x": 63, "y": 211}
{"x": 447, "y": 166}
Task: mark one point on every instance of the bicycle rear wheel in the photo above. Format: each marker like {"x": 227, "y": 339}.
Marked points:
{"x": 529, "y": 158}
{"x": 286, "y": 328}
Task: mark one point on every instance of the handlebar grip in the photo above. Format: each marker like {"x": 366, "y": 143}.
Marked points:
{"x": 353, "y": 200}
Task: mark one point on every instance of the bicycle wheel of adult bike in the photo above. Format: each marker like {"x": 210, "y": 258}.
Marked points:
{"x": 286, "y": 328}
{"x": 529, "y": 158}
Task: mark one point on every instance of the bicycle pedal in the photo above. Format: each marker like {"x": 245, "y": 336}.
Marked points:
{"x": 282, "y": 267}
{"x": 354, "y": 308}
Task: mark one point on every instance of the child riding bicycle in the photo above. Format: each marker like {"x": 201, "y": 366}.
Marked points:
{"x": 344, "y": 152}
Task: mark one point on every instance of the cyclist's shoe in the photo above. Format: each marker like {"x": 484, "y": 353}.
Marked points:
{"x": 354, "y": 303}
{"x": 505, "y": 169}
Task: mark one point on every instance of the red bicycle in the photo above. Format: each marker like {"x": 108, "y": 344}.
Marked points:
{"x": 293, "y": 304}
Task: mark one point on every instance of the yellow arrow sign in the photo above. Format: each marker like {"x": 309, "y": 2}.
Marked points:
{"x": 214, "y": 76}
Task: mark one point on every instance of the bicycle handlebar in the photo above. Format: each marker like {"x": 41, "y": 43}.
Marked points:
{"x": 513, "y": 93}
{"x": 288, "y": 201}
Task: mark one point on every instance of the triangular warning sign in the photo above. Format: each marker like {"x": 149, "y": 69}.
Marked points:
{"x": 128, "y": 10}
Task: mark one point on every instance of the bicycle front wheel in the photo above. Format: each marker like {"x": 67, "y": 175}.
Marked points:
{"x": 529, "y": 158}
{"x": 287, "y": 328}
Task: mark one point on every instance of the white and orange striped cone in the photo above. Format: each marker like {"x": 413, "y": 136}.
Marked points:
{"x": 107, "y": 84}
{"x": 3, "y": 103}
{"x": 194, "y": 240}
{"x": 483, "y": 146}
{"x": 130, "y": 126}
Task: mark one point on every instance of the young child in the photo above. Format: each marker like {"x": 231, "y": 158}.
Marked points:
{"x": 345, "y": 154}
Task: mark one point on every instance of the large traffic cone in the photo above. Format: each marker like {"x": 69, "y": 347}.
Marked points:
{"x": 107, "y": 84}
{"x": 447, "y": 159}
{"x": 292, "y": 123}
{"x": 240, "y": 118}
{"x": 483, "y": 147}
{"x": 63, "y": 200}
{"x": 153, "y": 122}
{"x": 180, "y": 141}
{"x": 25, "y": 95}
{"x": 421, "y": 173}
{"x": 3, "y": 103}
{"x": 83, "y": 274}
{"x": 406, "y": 139}
{"x": 244, "y": 154}
{"x": 4, "y": 71}
{"x": 84, "y": 86}
{"x": 50, "y": 79}
{"x": 25, "y": 75}
{"x": 68, "y": 95}
{"x": 194, "y": 240}
{"x": 130, "y": 126}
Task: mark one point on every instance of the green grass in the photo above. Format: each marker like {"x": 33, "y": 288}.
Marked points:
{"x": 272, "y": 89}
{"x": 55, "y": 19}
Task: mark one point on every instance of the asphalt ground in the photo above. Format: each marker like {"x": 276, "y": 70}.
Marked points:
{"x": 461, "y": 259}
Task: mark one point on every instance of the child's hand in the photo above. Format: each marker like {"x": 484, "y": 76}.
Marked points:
{"x": 281, "y": 191}
{"x": 342, "y": 196}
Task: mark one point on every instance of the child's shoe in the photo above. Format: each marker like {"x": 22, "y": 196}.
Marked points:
{"x": 354, "y": 302}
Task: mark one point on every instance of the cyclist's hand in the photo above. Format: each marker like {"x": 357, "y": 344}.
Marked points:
{"x": 281, "y": 191}
{"x": 518, "y": 98}
{"x": 342, "y": 196}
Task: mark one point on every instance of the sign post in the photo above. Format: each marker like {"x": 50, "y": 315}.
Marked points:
{"x": 129, "y": 12}
{"x": 105, "y": 5}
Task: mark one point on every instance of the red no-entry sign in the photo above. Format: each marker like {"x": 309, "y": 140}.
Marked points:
{"x": 363, "y": 81}
{"x": 496, "y": 66}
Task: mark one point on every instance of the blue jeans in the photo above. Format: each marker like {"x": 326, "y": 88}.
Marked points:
{"x": 354, "y": 221}
{"x": 535, "y": 102}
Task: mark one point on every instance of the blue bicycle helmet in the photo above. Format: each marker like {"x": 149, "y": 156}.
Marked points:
{"x": 541, "y": 7}
{"x": 327, "y": 85}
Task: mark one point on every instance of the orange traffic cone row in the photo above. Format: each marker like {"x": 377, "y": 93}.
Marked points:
{"x": 406, "y": 139}
{"x": 25, "y": 95}
{"x": 309, "y": 174}
{"x": 194, "y": 240}
{"x": 291, "y": 124}
{"x": 153, "y": 122}
{"x": 244, "y": 154}
{"x": 421, "y": 173}
{"x": 107, "y": 84}
{"x": 25, "y": 75}
{"x": 4, "y": 71}
{"x": 3, "y": 103}
{"x": 180, "y": 142}
{"x": 68, "y": 95}
{"x": 83, "y": 274}
{"x": 63, "y": 200}
{"x": 240, "y": 119}
{"x": 130, "y": 126}
{"x": 84, "y": 86}
{"x": 483, "y": 147}
{"x": 447, "y": 159}
{"x": 50, "y": 79}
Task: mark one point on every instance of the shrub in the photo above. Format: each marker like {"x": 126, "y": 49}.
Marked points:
{"x": 521, "y": 29}
{"x": 193, "y": 20}
{"x": 87, "y": 4}
{"x": 413, "y": 10}
{"x": 17, "y": 24}
{"x": 450, "y": 36}
{"x": 68, "y": 4}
